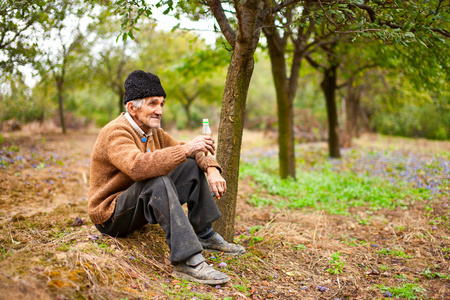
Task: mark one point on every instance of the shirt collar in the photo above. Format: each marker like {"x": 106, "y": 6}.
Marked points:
{"x": 135, "y": 126}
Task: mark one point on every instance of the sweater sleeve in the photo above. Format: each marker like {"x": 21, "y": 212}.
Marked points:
{"x": 128, "y": 158}
{"x": 206, "y": 161}
{"x": 203, "y": 161}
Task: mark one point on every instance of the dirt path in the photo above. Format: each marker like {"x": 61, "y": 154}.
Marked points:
{"x": 49, "y": 171}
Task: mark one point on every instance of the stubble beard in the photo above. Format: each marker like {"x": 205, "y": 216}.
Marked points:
{"x": 152, "y": 123}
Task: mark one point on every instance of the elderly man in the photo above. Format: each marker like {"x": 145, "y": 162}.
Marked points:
{"x": 140, "y": 175}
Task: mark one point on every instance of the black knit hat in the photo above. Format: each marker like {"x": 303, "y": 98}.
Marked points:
{"x": 140, "y": 84}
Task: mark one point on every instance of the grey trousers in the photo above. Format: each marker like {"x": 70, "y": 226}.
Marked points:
{"x": 159, "y": 200}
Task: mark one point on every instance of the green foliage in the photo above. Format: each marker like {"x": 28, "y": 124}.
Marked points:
{"x": 16, "y": 103}
{"x": 432, "y": 275}
{"x": 300, "y": 247}
{"x": 406, "y": 111}
{"x": 195, "y": 78}
{"x": 253, "y": 238}
{"x": 406, "y": 290}
{"x": 413, "y": 102}
{"x": 242, "y": 287}
{"x": 352, "y": 241}
{"x": 337, "y": 264}
{"x": 15, "y": 22}
{"x": 4, "y": 253}
{"x": 23, "y": 25}
{"x": 331, "y": 191}
{"x": 384, "y": 268}
{"x": 394, "y": 252}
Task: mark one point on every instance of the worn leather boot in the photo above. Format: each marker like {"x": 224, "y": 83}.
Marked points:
{"x": 216, "y": 243}
{"x": 197, "y": 269}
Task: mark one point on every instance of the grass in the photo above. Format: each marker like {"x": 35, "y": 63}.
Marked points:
{"x": 404, "y": 291}
{"x": 431, "y": 275}
{"x": 337, "y": 264}
{"x": 329, "y": 190}
{"x": 394, "y": 252}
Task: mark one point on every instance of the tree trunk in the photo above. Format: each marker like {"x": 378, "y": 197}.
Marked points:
{"x": 365, "y": 122}
{"x": 59, "y": 86}
{"x": 187, "y": 110}
{"x": 352, "y": 113}
{"x": 286, "y": 154}
{"x": 121, "y": 94}
{"x": 233, "y": 111}
{"x": 230, "y": 136}
{"x": 328, "y": 86}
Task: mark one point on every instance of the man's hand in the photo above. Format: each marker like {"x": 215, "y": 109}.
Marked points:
{"x": 202, "y": 143}
{"x": 217, "y": 184}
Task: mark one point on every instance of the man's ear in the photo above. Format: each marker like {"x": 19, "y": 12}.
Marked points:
{"x": 131, "y": 108}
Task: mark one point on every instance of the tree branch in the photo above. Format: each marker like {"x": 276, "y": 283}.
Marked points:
{"x": 219, "y": 15}
{"x": 441, "y": 31}
{"x": 373, "y": 19}
{"x": 239, "y": 17}
{"x": 359, "y": 69}
{"x": 313, "y": 63}
{"x": 370, "y": 11}
{"x": 302, "y": 37}
{"x": 273, "y": 10}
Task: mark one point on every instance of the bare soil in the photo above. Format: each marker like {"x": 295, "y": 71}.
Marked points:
{"x": 50, "y": 250}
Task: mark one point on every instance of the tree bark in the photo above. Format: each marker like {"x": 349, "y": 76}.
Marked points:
{"x": 187, "y": 110}
{"x": 286, "y": 86}
{"x": 121, "y": 94}
{"x": 233, "y": 109}
{"x": 59, "y": 88}
{"x": 285, "y": 111}
{"x": 352, "y": 113}
{"x": 364, "y": 119}
{"x": 328, "y": 86}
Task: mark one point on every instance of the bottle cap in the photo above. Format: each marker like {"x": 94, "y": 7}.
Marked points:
{"x": 205, "y": 121}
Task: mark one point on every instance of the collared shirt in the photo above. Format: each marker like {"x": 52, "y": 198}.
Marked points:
{"x": 137, "y": 128}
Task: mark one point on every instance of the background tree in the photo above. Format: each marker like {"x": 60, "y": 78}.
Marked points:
{"x": 411, "y": 87}
{"x": 59, "y": 63}
{"x": 288, "y": 41}
{"x": 14, "y": 96}
{"x": 114, "y": 57}
{"x": 19, "y": 23}
{"x": 197, "y": 76}
{"x": 327, "y": 22}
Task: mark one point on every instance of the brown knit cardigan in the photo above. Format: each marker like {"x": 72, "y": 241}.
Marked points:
{"x": 120, "y": 158}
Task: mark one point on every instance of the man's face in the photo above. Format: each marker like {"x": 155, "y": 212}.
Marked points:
{"x": 150, "y": 112}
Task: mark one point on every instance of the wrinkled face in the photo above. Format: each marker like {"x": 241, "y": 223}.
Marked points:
{"x": 150, "y": 112}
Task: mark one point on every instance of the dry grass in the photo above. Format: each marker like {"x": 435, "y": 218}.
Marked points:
{"x": 44, "y": 256}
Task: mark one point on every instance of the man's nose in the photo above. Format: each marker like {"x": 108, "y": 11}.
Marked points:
{"x": 158, "y": 111}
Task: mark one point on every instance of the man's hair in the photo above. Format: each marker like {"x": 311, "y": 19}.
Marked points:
{"x": 136, "y": 103}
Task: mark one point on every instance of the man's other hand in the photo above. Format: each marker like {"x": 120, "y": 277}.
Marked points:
{"x": 202, "y": 143}
{"x": 217, "y": 185}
